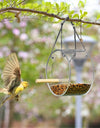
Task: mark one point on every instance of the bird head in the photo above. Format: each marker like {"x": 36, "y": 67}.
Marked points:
{"x": 25, "y": 84}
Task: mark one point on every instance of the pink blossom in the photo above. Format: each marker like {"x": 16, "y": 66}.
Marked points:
{"x": 37, "y": 40}
{"x": 49, "y": 39}
{"x": 16, "y": 31}
{"x": 8, "y": 24}
{"x": 5, "y": 50}
{"x": 34, "y": 33}
{"x": 23, "y": 36}
{"x": 44, "y": 39}
{"x": 23, "y": 24}
{"x": 23, "y": 54}
{"x": 29, "y": 42}
{"x": 1, "y": 54}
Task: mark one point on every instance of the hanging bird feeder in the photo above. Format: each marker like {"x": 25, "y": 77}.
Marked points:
{"x": 66, "y": 86}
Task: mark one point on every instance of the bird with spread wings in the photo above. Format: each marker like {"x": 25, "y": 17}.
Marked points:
{"x": 12, "y": 79}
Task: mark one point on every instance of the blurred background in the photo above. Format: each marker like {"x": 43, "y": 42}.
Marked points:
{"x": 32, "y": 40}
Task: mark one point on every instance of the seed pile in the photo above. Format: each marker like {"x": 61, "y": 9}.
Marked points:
{"x": 73, "y": 89}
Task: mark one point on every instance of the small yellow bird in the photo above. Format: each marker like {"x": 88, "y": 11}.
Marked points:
{"x": 12, "y": 79}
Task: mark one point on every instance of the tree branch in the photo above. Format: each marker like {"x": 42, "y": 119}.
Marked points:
{"x": 46, "y": 14}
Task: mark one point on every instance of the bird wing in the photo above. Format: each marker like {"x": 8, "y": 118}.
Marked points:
{"x": 4, "y": 91}
{"x": 11, "y": 73}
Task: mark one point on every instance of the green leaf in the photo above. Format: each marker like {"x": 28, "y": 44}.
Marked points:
{"x": 70, "y": 14}
{"x": 81, "y": 12}
{"x": 87, "y": 25}
{"x": 1, "y": 4}
{"x": 81, "y": 4}
{"x": 62, "y": 4}
{"x": 84, "y": 14}
{"x": 76, "y": 16}
{"x": 33, "y": 1}
{"x": 98, "y": 16}
{"x": 85, "y": 1}
{"x": 57, "y": 6}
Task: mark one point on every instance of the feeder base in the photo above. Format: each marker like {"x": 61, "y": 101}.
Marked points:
{"x": 73, "y": 89}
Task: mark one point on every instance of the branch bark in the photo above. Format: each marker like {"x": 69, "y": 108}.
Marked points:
{"x": 46, "y": 14}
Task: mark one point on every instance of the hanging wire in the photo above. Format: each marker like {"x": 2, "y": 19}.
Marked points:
{"x": 62, "y": 28}
{"x": 81, "y": 30}
{"x": 60, "y": 31}
{"x": 52, "y": 66}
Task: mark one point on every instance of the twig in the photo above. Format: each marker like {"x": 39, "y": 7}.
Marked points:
{"x": 17, "y": 16}
{"x": 46, "y": 14}
{"x": 21, "y": 2}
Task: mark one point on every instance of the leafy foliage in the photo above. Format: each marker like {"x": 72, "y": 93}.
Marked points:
{"x": 62, "y": 9}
